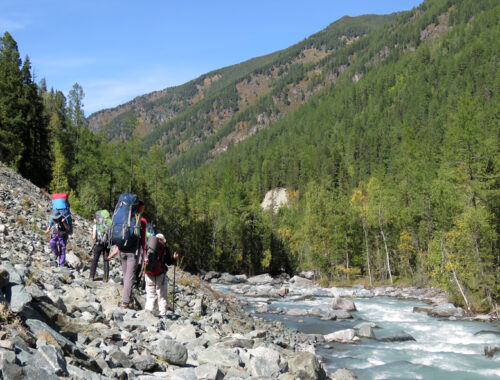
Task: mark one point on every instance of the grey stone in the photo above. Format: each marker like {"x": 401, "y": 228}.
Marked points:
{"x": 220, "y": 357}
{"x": 366, "y": 331}
{"x": 183, "y": 333}
{"x": 306, "y": 366}
{"x": 51, "y": 359}
{"x": 145, "y": 363}
{"x": 227, "y": 278}
{"x": 171, "y": 351}
{"x": 261, "y": 279}
{"x": 82, "y": 374}
{"x": 211, "y": 275}
{"x": 67, "y": 346}
{"x": 300, "y": 281}
{"x": 340, "y": 314}
{"x": 340, "y": 303}
{"x": 343, "y": 336}
{"x": 119, "y": 359}
{"x": 447, "y": 310}
{"x": 11, "y": 371}
{"x": 265, "y": 362}
{"x": 343, "y": 374}
{"x": 184, "y": 374}
{"x": 7, "y": 356}
{"x": 19, "y": 298}
{"x": 236, "y": 373}
{"x": 399, "y": 336}
{"x": 208, "y": 372}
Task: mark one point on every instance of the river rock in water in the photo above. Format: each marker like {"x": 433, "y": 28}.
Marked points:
{"x": 340, "y": 303}
{"x": 447, "y": 310}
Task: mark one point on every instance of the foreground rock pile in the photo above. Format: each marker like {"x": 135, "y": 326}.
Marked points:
{"x": 55, "y": 323}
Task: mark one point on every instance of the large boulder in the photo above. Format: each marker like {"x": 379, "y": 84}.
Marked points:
{"x": 171, "y": 351}
{"x": 447, "y": 310}
{"x": 342, "y": 336}
{"x": 306, "y": 366}
{"x": 300, "y": 281}
{"x": 221, "y": 357}
{"x": 265, "y": 362}
{"x": 51, "y": 359}
{"x": 340, "y": 303}
{"x": 261, "y": 279}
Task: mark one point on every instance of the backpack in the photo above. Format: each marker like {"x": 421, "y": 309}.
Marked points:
{"x": 126, "y": 223}
{"x": 153, "y": 249}
{"x": 60, "y": 202}
{"x": 150, "y": 230}
{"x": 103, "y": 221}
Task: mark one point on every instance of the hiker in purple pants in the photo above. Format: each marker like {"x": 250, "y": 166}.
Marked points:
{"x": 59, "y": 235}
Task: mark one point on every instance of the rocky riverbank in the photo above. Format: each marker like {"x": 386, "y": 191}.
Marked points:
{"x": 265, "y": 287}
{"x": 58, "y": 324}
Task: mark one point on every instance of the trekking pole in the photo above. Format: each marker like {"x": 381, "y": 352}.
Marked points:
{"x": 173, "y": 294}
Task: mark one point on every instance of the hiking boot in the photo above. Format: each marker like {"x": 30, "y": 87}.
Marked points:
{"x": 124, "y": 305}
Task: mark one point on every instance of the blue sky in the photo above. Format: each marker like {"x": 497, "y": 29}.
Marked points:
{"x": 117, "y": 50}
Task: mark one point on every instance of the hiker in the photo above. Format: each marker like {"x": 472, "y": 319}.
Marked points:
{"x": 156, "y": 273}
{"x": 59, "y": 235}
{"x": 100, "y": 231}
{"x": 129, "y": 259}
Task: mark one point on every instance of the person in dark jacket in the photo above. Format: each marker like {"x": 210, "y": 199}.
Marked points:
{"x": 156, "y": 277}
{"x": 100, "y": 247}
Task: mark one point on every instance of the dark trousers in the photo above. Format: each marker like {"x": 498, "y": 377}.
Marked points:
{"x": 98, "y": 250}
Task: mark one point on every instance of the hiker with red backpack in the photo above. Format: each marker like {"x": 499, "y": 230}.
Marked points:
{"x": 156, "y": 258}
{"x": 60, "y": 226}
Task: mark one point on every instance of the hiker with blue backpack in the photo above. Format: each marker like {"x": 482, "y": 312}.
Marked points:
{"x": 128, "y": 234}
{"x": 60, "y": 226}
{"x": 100, "y": 237}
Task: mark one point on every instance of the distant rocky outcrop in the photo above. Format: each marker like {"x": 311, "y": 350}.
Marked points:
{"x": 275, "y": 199}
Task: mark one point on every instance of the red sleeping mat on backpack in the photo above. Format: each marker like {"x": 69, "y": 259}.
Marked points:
{"x": 60, "y": 201}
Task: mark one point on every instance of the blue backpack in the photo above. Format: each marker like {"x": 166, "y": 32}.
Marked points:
{"x": 126, "y": 224}
{"x": 60, "y": 203}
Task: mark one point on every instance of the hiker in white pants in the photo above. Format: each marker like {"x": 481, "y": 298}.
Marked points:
{"x": 156, "y": 275}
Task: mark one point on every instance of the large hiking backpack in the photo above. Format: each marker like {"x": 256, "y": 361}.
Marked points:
{"x": 126, "y": 223}
{"x": 153, "y": 249}
{"x": 60, "y": 202}
{"x": 103, "y": 221}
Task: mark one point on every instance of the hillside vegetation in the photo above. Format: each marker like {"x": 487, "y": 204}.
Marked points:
{"x": 387, "y": 142}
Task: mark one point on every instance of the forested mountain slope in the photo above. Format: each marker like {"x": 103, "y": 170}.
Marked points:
{"x": 394, "y": 175}
{"x": 247, "y": 96}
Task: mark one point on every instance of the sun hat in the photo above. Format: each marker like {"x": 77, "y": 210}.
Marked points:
{"x": 55, "y": 215}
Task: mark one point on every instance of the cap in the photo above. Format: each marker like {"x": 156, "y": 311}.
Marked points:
{"x": 55, "y": 215}
{"x": 161, "y": 237}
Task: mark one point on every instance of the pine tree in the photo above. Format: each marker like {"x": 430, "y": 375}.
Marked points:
{"x": 11, "y": 113}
